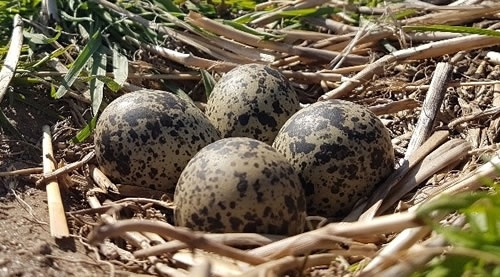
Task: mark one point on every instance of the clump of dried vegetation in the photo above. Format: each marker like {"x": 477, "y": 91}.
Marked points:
{"x": 429, "y": 71}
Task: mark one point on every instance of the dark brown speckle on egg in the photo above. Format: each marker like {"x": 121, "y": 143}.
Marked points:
{"x": 146, "y": 138}
{"x": 341, "y": 151}
{"x": 253, "y": 101}
{"x": 222, "y": 190}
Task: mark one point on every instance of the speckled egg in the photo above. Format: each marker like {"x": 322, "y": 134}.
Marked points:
{"x": 252, "y": 100}
{"x": 341, "y": 151}
{"x": 146, "y": 138}
{"x": 240, "y": 185}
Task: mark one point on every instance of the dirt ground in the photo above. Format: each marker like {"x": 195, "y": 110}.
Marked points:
{"x": 26, "y": 247}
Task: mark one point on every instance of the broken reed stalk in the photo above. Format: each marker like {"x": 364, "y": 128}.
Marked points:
{"x": 12, "y": 57}
{"x": 379, "y": 225}
{"x": 448, "y": 154}
{"x": 57, "y": 217}
{"x": 408, "y": 237}
{"x": 417, "y": 255}
{"x": 430, "y": 108}
{"x": 373, "y": 203}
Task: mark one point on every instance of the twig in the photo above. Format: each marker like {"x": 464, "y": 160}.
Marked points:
{"x": 102, "y": 180}
{"x": 378, "y": 225}
{"x": 167, "y": 230}
{"x": 433, "y": 49}
{"x": 431, "y": 106}
{"x": 185, "y": 59}
{"x": 395, "y": 106}
{"x": 135, "y": 238}
{"x": 67, "y": 168}
{"x": 280, "y": 266}
{"x": 12, "y": 57}
{"x": 491, "y": 112}
{"x": 255, "y": 41}
{"x": 202, "y": 269}
{"x": 24, "y": 171}
{"x": 57, "y": 217}
{"x": 236, "y": 239}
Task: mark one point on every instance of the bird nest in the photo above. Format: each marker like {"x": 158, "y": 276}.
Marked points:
{"x": 434, "y": 86}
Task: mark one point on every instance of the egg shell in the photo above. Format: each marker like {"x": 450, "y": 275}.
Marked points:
{"x": 146, "y": 138}
{"x": 252, "y": 100}
{"x": 240, "y": 185}
{"x": 341, "y": 151}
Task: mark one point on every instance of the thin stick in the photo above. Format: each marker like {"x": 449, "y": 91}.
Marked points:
{"x": 431, "y": 105}
{"x": 167, "y": 230}
{"x": 417, "y": 256}
{"x": 255, "y": 41}
{"x": 57, "y": 217}
{"x": 24, "y": 171}
{"x": 12, "y": 57}
{"x": 379, "y": 225}
{"x": 66, "y": 168}
{"x": 433, "y": 49}
{"x": 394, "y": 107}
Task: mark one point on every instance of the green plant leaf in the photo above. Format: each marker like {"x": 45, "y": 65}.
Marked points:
{"x": 109, "y": 82}
{"x": 169, "y": 6}
{"x": 249, "y": 30}
{"x": 80, "y": 62}
{"x": 308, "y": 12}
{"x": 208, "y": 82}
{"x": 120, "y": 66}
{"x": 39, "y": 38}
{"x": 86, "y": 131}
{"x": 96, "y": 85}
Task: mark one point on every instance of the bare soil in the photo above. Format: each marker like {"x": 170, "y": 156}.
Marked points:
{"x": 26, "y": 247}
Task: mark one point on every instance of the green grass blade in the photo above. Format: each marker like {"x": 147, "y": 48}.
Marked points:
{"x": 56, "y": 53}
{"x": 120, "y": 66}
{"x": 97, "y": 86}
{"x": 308, "y": 12}
{"x": 39, "y": 38}
{"x": 109, "y": 82}
{"x": 249, "y": 30}
{"x": 208, "y": 82}
{"x": 86, "y": 131}
{"x": 169, "y": 6}
{"x": 80, "y": 62}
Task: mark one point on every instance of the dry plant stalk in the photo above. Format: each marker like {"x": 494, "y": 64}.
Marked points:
{"x": 57, "y": 217}
{"x": 300, "y": 244}
{"x": 12, "y": 57}
{"x": 24, "y": 171}
{"x": 66, "y": 168}
{"x": 166, "y": 230}
{"x": 374, "y": 202}
{"x": 408, "y": 237}
{"x": 430, "y": 108}
{"x": 429, "y": 50}
{"x": 256, "y": 41}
